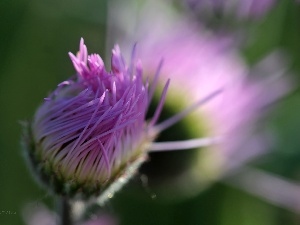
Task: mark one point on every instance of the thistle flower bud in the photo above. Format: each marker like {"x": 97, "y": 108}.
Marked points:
{"x": 91, "y": 130}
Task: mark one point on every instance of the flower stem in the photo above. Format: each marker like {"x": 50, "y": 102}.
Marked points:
{"x": 64, "y": 210}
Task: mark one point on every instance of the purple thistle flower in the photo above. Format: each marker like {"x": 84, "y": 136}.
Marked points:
{"x": 92, "y": 127}
{"x": 91, "y": 133}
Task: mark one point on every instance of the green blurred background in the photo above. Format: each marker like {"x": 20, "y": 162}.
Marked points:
{"x": 34, "y": 41}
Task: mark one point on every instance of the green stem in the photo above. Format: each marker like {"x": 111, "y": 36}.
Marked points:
{"x": 65, "y": 211}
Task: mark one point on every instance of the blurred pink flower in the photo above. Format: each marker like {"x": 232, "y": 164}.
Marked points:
{"x": 34, "y": 214}
{"x": 40, "y": 214}
{"x": 101, "y": 220}
{"x": 251, "y": 9}
{"x": 199, "y": 63}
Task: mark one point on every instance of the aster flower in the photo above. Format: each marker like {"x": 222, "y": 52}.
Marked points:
{"x": 230, "y": 118}
{"x": 199, "y": 62}
{"x": 90, "y": 134}
{"x": 241, "y": 9}
{"x": 236, "y": 19}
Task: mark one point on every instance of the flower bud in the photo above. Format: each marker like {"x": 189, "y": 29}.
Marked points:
{"x": 91, "y": 131}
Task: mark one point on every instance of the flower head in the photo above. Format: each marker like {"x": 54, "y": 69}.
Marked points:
{"x": 198, "y": 63}
{"x": 91, "y": 130}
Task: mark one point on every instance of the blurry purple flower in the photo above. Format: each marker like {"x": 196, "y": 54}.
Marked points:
{"x": 40, "y": 214}
{"x": 252, "y": 9}
{"x": 102, "y": 220}
{"x": 255, "y": 8}
{"x": 233, "y": 18}
{"x": 199, "y": 63}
